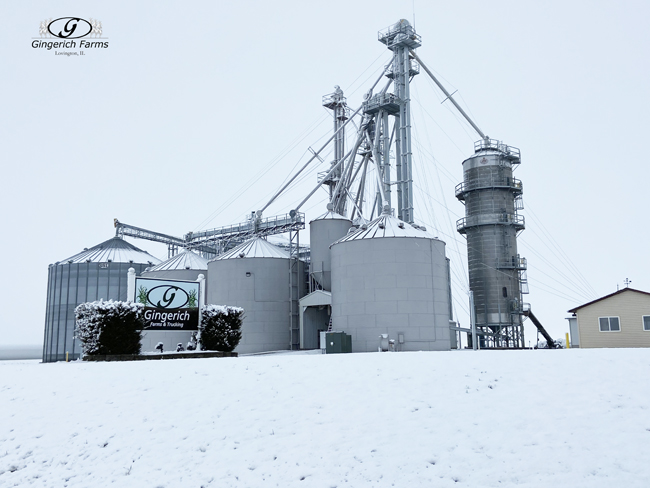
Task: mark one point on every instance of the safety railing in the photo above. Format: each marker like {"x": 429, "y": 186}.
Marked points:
{"x": 510, "y": 151}
{"x": 467, "y": 186}
{"x": 515, "y": 262}
{"x": 400, "y": 33}
{"x": 515, "y": 220}
{"x": 382, "y": 101}
{"x": 414, "y": 69}
{"x": 265, "y": 226}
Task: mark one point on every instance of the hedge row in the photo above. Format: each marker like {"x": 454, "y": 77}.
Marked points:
{"x": 113, "y": 327}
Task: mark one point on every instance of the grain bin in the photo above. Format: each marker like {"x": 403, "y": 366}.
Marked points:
{"x": 389, "y": 277}
{"x": 323, "y": 231}
{"x": 96, "y": 273}
{"x": 255, "y": 277}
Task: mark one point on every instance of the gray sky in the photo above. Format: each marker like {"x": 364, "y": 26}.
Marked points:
{"x": 197, "y": 111}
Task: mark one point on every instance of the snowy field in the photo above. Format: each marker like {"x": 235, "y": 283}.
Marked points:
{"x": 567, "y": 418}
{"x": 21, "y": 352}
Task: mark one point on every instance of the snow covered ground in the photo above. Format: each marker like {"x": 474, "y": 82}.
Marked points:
{"x": 566, "y": 418}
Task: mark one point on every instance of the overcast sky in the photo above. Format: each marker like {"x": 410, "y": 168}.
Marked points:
{"x": 198, "y": 111}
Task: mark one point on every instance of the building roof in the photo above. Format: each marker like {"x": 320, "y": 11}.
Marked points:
{"x": 574, "y": 310}
{"x": 329, "y": 215}
{"x": 183, "y": 260}
{"x": 115, "y": 250}
{"x": 385, "y": 226}
{"x": 254, "y": 248}
{"x": 316, "y": 297}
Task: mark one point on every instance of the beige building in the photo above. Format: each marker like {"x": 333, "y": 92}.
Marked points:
{"x": 621, "y": 319}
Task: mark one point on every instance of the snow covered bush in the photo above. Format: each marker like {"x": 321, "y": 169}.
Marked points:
{"x": 109, "y": 327}
{"x": 220, "y": 328}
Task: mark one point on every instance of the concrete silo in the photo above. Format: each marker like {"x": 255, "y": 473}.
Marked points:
{"x": 96, "y": 273}
{"x": 186, "y": 266}
{"x": 390, "y": 277}
{"x": 492, "y": 197}
{"x": 255, "y": 276}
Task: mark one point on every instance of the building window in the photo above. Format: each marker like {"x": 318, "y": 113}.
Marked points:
{"x": 609, "y": 324}
{"x": 646, "y": 322}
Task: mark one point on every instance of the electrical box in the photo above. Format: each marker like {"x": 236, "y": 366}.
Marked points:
{"x": 338, "y": 342}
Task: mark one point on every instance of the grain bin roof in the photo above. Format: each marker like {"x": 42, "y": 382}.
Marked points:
{"x": 329, "y": 215}
{"x": 254, "y": 248}
{"x": 183, "y": 260}
{"x": 385, "y": 226}
{"x": 114, "y": 250}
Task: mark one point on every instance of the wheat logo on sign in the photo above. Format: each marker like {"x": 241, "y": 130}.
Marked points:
{"x": 42, "y": 28}
{"x": 96, "y": 28}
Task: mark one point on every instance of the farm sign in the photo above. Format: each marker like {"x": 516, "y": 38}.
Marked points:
{"x": 168, "y": 304}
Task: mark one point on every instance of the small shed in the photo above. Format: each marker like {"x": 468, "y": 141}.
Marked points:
{"x": 621, "y": 319}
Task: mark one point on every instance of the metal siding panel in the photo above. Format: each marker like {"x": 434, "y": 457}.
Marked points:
{"x": 630, "y": 307}
{"x": 390, "y": 306}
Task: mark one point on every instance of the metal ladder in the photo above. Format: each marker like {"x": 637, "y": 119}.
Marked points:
{"x": 294, "y": 291}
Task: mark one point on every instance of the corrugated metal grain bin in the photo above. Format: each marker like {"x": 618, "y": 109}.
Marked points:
{"x": 96, "y": 273}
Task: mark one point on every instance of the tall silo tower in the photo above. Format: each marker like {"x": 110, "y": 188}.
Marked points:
{"x": 93, "y": 274}
{"x": 492, "y": 197}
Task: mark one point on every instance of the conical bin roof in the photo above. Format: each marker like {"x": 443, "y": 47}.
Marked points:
{"x": 385, "y": 226}
{"x": 183, "y": 260}
{"x": 329, "y": 215}
{"x": 254, "y": 248}
{"x": 114, "y": 250}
